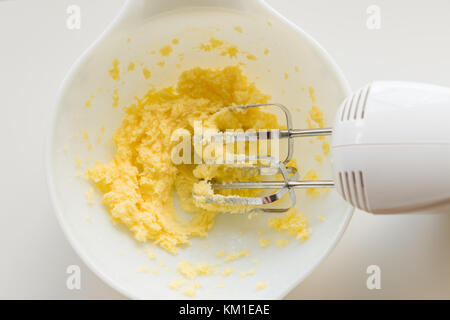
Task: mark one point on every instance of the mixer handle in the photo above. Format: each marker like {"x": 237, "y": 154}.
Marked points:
{"x": 390, "y": 148}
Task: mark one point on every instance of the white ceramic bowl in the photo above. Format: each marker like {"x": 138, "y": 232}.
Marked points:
{"x": 109, "y": 250}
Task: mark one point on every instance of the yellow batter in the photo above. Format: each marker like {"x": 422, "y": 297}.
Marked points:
{"x": 139, "y": 182}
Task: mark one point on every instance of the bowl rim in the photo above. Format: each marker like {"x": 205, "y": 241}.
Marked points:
{"x": 49, "y": 147}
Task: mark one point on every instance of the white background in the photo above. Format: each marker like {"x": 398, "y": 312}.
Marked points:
{"x": 36, "y": 51}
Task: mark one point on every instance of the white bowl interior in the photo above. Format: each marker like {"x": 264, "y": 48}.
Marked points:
{"x": 109, "y": 249}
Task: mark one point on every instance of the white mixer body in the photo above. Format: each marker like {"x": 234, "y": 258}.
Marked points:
{"x": 391, "y": 147}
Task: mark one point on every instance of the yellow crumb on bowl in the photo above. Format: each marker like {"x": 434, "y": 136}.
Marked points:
{"x": 175, "y": 41}
{"x": 321, "y": 218}
{"x": 204, "y": 268}
{"x": 230, "y": 51}
{"x": 166, "y": 51}
{"x": 293, "y": 223}
{"x": 147, "y": 74}
{"x": 186, "y": 269}
{"x": 325, "y": 148}
{"x": 131, "y": 66}
{"x": 88, "y": 103}
{"x": 115, "y": 98}
{"x": 150, "y": 254}
{"x": 282, "y": 242}
{"x": 261, "y": 285}
{"x": 312, "y": 175}
{"x": 264, "y": 243}
{"x": 252, "y": 215}
{"x": 256, "y": 261}
{"x": 250, "y": 272}
{"x": 177, "y": 284}
{"x": 227, "y": 271}
{"x": 221, "y": 253}
{"x": 142, "y": 269}
{"x": 251, "y": 57}
{"x": 189, "y": 292}
{"x": 266, "y": 51}
{"x": 224, "y": 48}
{"x": 238, "y": 29}
{"x": 312, "y": 95}
{"x": 318, "y": 158}
{"x": 114, "y": 72}
{"x": 78, "y": 161}
{"x": 213, "y": 43}
{"x": 317, "y": 116}
{"x": 236, "y": 255}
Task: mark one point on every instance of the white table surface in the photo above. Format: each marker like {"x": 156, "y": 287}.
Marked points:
{"x": 36, "y": 51}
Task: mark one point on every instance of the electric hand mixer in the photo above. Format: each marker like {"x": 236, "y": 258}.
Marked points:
{"x": 390, "y": 152}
